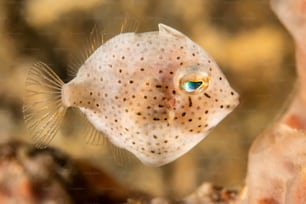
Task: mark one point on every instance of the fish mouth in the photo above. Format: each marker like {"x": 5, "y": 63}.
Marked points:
{"x": 235, "y": 101}
{"x": 230, "y": 103}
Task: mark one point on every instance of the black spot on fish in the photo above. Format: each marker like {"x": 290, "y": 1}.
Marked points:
{"x": 158, "y": 86}
{"x": 190, "y": 101}
{"x": 207, "y": 95}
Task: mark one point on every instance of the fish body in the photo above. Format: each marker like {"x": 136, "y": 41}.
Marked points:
{"x": 155, "y": 94}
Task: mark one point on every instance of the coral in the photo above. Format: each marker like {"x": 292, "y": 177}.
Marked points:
{"x": 29, "y": 175}
{"x": 276, "y": 166}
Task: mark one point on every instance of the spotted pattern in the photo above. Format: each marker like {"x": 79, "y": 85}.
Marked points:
{"x": 129, "y": 89}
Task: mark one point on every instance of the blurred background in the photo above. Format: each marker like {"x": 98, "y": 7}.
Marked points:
{"x": 245, "y": 38}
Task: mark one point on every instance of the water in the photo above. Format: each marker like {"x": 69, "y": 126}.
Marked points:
{"x": 244, "y": 37}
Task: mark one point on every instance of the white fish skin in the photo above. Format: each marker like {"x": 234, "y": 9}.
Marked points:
{"x": 155, "y": 94}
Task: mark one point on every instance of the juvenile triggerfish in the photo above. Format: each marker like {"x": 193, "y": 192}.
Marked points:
{"x": 155, "y": 94}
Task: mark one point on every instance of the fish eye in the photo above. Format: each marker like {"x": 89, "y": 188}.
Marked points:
{"x": 192, "y": 79}
{"x": 191, "y": 86}
{"x": 195, "y": 85}
{"x": 195, "y": 82}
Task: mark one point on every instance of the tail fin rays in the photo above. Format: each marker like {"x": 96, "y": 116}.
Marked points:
{"x": 43, "y": 108}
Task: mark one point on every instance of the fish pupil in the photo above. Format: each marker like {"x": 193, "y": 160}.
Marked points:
{"x": 191, "y": 86}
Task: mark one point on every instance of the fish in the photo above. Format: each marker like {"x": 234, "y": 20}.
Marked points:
{"x": 155, "y": 94}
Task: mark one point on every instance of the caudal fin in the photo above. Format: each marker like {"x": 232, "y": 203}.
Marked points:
{"x": 43, "y": 108}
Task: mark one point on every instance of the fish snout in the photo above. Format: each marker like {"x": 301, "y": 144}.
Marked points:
{"x": 233, "y": 101}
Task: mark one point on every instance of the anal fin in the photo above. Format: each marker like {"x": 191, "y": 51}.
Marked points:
{"x": 94, "y": 137}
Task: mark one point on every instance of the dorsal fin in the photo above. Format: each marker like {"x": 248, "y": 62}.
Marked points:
{"x": 164, "y": 29}
{"x": 95, "y": 40}
{"x": 129, "y": 25}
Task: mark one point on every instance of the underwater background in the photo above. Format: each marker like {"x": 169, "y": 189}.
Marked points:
{"x": 245, "y": 38}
